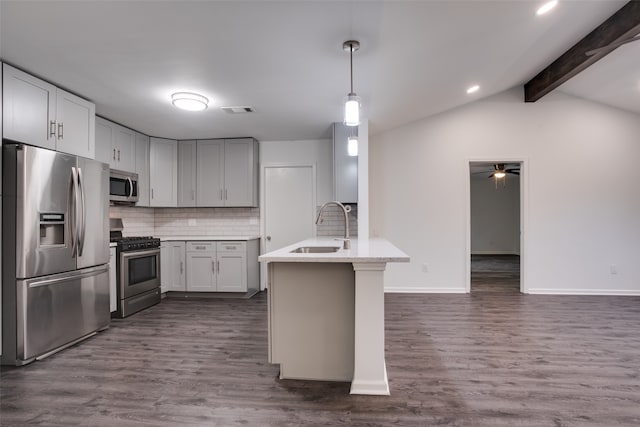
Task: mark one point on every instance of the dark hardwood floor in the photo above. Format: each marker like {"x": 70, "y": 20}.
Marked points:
{"x": 495, "y": 273}
{"x": 482, "y": 359}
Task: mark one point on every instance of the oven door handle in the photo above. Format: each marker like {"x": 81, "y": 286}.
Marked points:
{"x": 138, "y": 254}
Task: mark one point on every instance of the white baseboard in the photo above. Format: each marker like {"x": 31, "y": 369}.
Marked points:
{"x": 612, "y": 292}
{"x": 405, "y": 290}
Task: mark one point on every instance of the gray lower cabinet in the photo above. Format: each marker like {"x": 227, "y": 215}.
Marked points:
{"x": 209, "y": 266}
{"x": 173, "y": 271}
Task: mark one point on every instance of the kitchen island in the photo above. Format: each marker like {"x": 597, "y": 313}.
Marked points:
{"x": 326, "y": 311}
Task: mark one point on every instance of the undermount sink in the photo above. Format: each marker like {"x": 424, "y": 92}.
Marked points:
{"x": 315, "y": 249}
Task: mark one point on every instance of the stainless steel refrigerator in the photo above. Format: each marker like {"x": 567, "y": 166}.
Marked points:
{"x": 55, "y": 251}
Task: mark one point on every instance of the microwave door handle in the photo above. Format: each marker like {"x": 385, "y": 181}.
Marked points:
{"x": 73, "y": 212}
{"x": 83, "y": 215}
{"x": 130, "y": 187}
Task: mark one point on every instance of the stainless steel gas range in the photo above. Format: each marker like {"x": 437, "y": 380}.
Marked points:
{"x": 137, "y": 273}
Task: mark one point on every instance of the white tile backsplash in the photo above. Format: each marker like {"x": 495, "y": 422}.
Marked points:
{"x": 207, "y": 221}
{"x": 166, "y": 222}
{"x": 333, "y": 221}
{"x": 136, "y": 221}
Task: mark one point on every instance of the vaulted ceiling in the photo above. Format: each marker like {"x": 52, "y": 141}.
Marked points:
{"x": 285, "y": 58}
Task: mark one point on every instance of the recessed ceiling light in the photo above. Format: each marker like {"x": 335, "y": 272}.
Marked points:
{"x": 473, "y": 89}
{"x": 547, "y": 7}
{"x": 189, "y": 101}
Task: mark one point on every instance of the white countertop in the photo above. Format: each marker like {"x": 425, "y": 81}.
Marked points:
{"x": 362, "y": 250}
{"x": 206, "y": 238}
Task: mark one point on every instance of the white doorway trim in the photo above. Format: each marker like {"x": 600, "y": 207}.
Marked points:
{"x": 524, "y": 215}
{"x": 263, "y": 218}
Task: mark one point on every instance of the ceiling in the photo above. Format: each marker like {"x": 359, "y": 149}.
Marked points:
{"x": 285, "y": 58}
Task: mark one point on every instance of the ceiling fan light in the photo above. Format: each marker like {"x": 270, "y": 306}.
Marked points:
{"x": 500, "y": 174}
{"x": 547, "y": 7}
{"x": 352, "y": 110}
{"x": 352, "y": 146}
{"x": 189, "y": 101}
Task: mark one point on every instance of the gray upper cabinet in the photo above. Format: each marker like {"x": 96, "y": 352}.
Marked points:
{"x": 345, "y": 167}
{"x": 163, "y": 172}
{"x": 227, "y": 172}
{"x": 115, "y": 145}
{"x": 123, "y": 149}
{"x": 142, "y": 169}
{"x": 187, "y": 173}
{"x": 241, "y": 172}
{"x": 37, "y": 113}
{"x": 210, "y": 173}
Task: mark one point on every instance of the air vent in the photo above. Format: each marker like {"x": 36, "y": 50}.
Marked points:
{"x": 239, "y": 110}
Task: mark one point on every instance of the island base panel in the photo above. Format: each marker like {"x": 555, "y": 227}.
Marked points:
{"x": 311, "y": 315}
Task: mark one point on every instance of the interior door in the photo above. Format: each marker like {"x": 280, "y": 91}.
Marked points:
{"x": 94, "y": 183}
{"x": 289, "y": 205}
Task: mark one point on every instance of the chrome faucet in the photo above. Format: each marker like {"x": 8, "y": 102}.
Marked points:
{"x": 345, "y": 210}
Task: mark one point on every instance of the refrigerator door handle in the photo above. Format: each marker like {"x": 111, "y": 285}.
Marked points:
{"x": 73, "y": 220}
{"x": 65, "y": 277}
{"x": 83, "y": 215}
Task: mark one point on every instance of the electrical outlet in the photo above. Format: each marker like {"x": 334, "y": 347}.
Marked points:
{"x": 192, "y": 222}
{"x": 613, "y": 269}
{"x": 425, "y": 268}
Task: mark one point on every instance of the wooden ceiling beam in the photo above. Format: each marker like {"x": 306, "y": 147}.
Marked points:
{"x": 622, "y": 25}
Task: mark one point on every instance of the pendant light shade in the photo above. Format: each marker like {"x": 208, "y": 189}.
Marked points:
{"x": 352, "y": 110}
{"x": 352, "y": 146}
{"x": 352, "y": 101}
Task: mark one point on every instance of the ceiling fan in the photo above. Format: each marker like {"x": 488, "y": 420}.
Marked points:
{"x": 499, "y": 171}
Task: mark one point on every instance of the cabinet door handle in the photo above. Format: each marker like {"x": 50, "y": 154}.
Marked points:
{"x": 152, "y": 193}
{"x": 118, "y": 155}
{"x": 213, "y": 266}
{"x": 218, "y": 265}
{"x": 221, "y": 194}
{"x": 114, "y": 154}
{"x": 201, "y": 248}
{"x": 181, "y": 267}
{"x": 225, "y": 194}
{"x": 60, "y": 130}
{"x": 52, "y": 128}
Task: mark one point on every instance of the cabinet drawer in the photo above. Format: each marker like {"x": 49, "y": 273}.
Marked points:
{"x": 201, "y": 246}
{"x": 232, "y": 246}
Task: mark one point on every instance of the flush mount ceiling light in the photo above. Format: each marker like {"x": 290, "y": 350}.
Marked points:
{"x": 189, "y": 101}
{"x": 473, "y": 89}
{"x": 547, "y": 7}
{"x": 352, "y": 101}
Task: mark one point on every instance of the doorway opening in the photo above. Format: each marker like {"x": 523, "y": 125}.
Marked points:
{"x": 495, "y": 225}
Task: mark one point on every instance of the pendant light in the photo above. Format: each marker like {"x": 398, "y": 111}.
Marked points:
{"x": 352, "y": 146}
{"x": 352, "y": 101}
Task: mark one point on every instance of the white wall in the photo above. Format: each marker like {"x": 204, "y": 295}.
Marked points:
{"x": 495, "y": 215}
{"x": 582, "y": 206}
{"x": 318, "y": 152}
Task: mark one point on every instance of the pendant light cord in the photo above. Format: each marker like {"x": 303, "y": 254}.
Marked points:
{"x": 351, "y": 64}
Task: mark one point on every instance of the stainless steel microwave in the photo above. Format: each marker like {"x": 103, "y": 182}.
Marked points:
{"x": 123, "y": 187}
